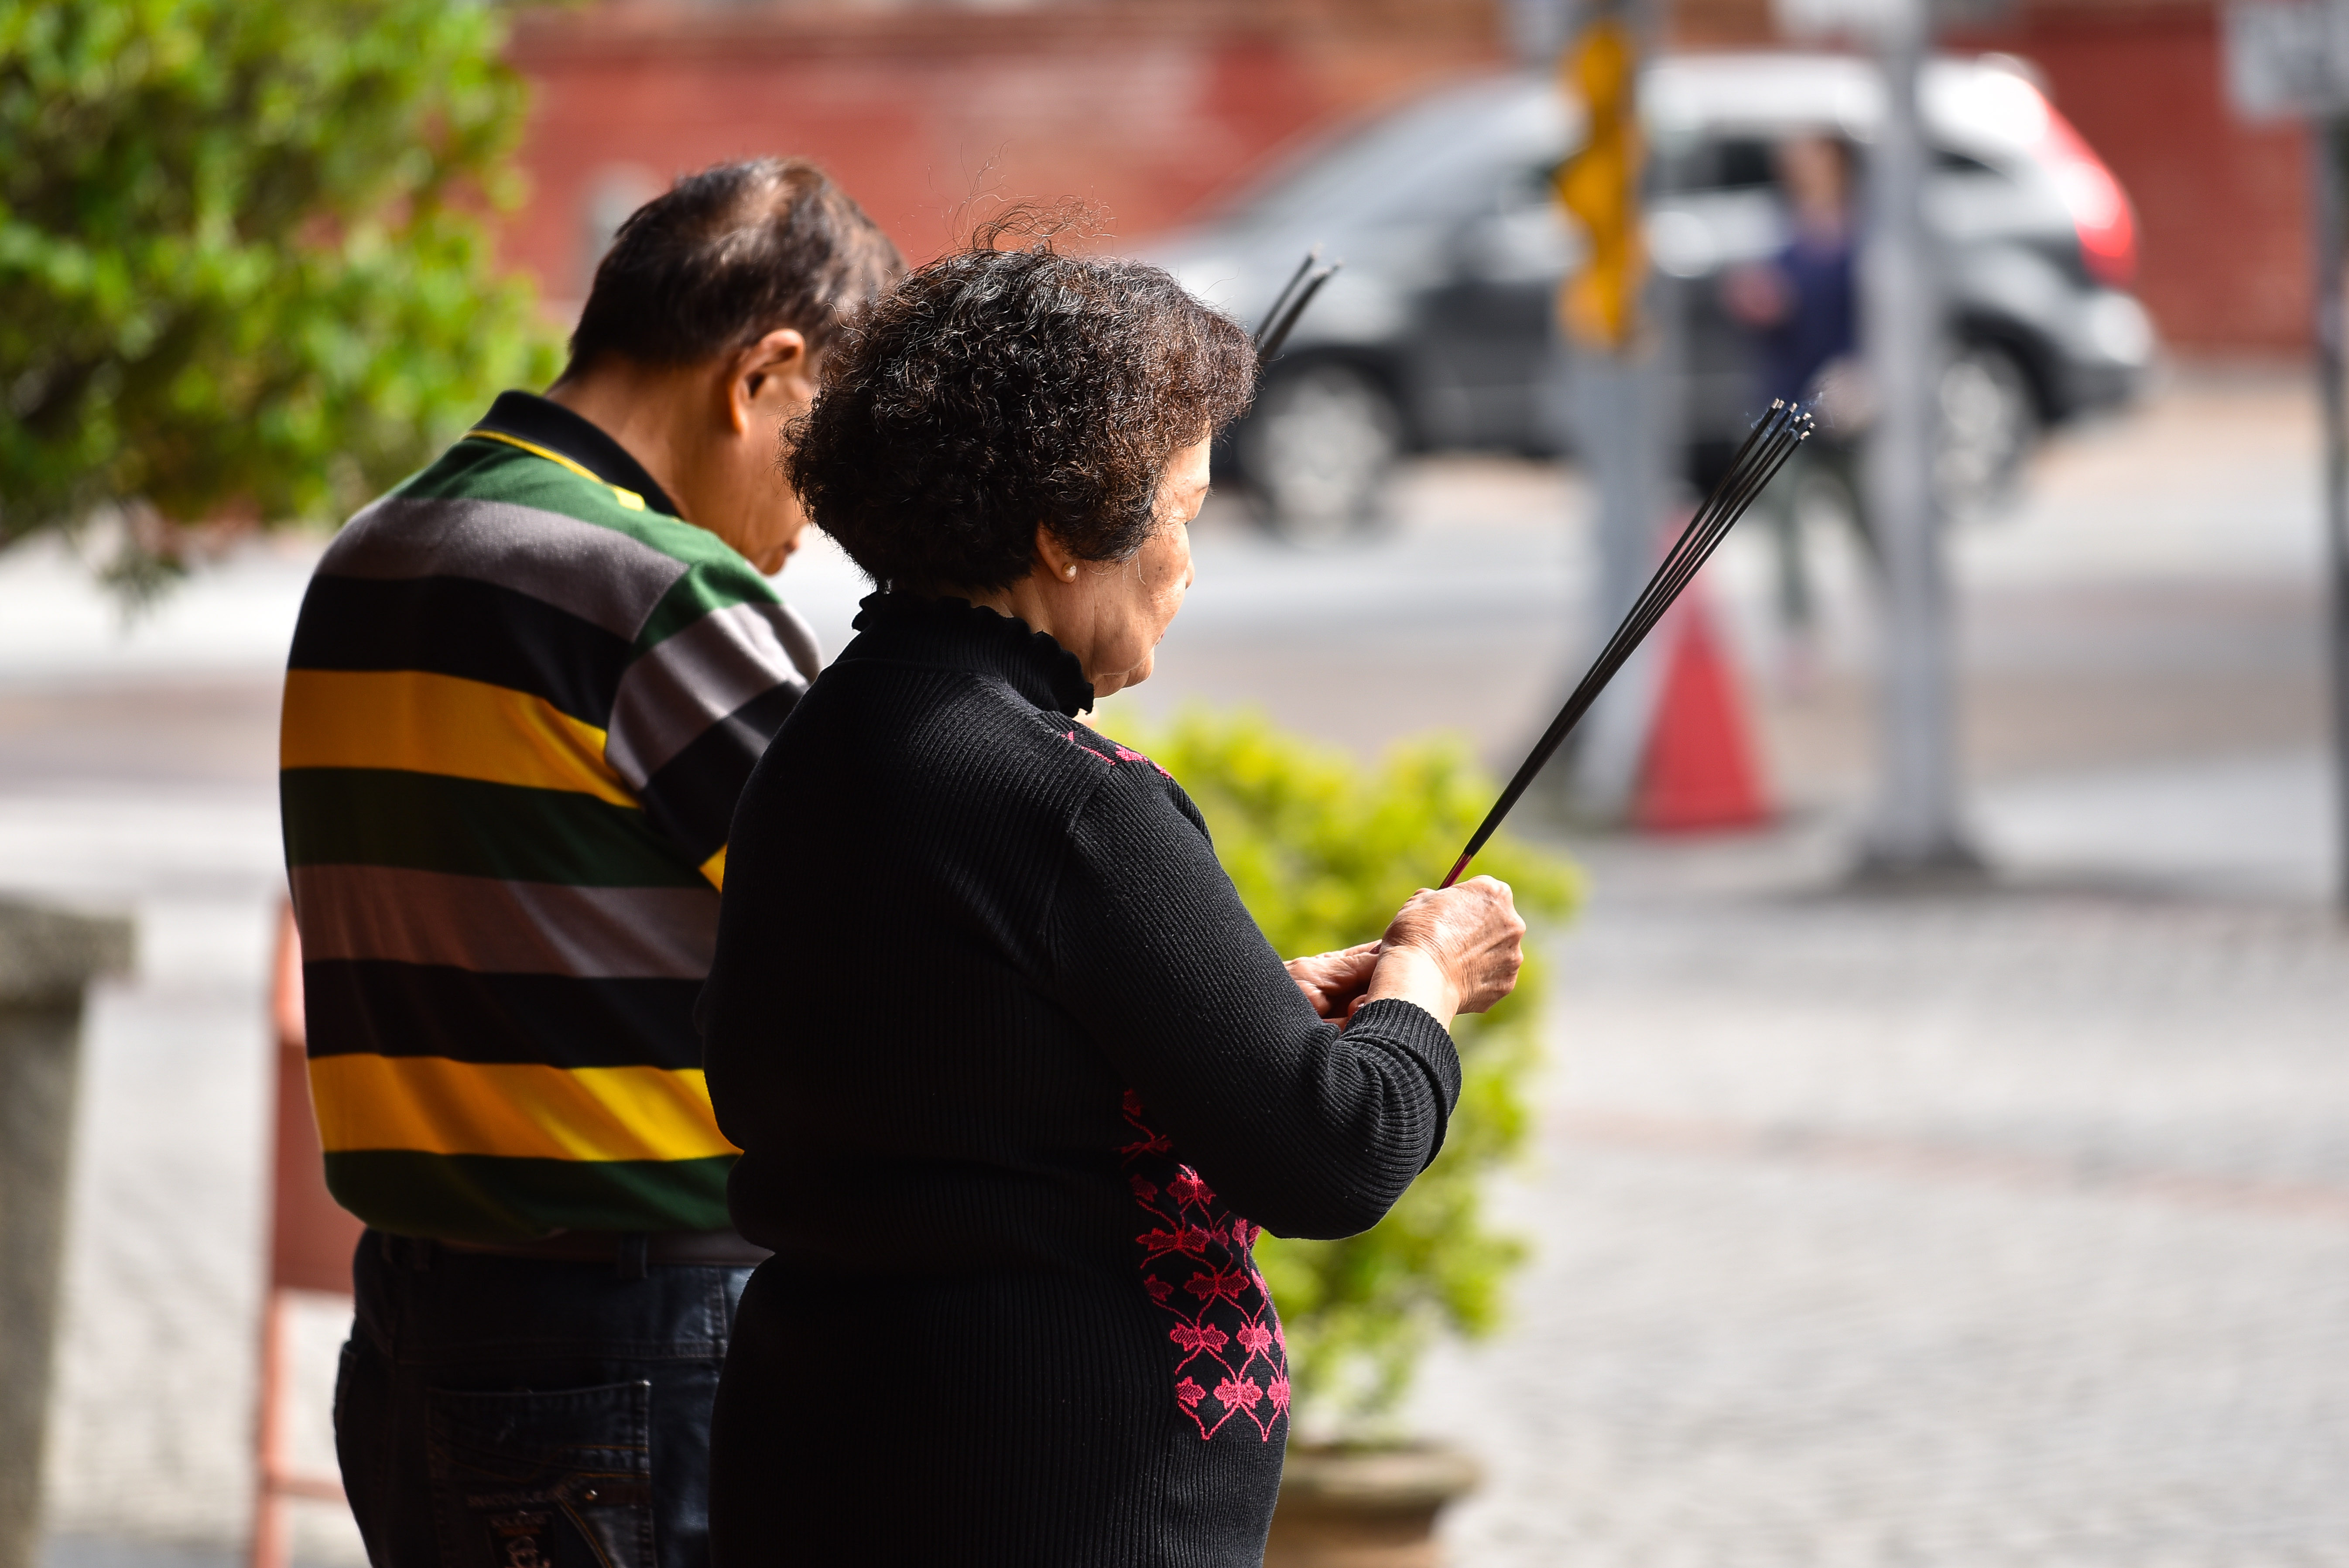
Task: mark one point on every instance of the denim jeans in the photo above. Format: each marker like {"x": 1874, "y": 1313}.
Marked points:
{"x": 502, "y": 1412}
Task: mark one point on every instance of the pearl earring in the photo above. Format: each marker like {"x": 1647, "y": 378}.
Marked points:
{"x": 1070, "y": 570}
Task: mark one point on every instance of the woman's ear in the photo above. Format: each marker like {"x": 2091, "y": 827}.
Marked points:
{"x": 1053, "y": 557}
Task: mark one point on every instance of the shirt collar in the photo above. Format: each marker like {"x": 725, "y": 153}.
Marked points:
{"x": 542, "y": 422}
{"x": 971, "y": 637}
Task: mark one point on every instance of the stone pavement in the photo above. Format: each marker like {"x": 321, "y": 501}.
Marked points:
{"x": 2004, "y": 1228}
{"x": 2009, "y": 1226}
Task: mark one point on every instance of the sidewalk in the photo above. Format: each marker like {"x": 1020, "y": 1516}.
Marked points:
{"x": 2008, "y": 1227}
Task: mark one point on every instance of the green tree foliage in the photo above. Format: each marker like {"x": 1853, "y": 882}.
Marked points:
{"x": 245, "y": 268}
{"x": 1323, "y": 853}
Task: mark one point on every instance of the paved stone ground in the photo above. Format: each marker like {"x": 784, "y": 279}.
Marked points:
{"x": 2010, "y": 1227}
{"x": 2003, "y": 1229}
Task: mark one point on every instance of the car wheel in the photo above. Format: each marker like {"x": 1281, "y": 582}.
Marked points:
{"x": 1318, "y": 451}
{"x": 1990, "y": 423}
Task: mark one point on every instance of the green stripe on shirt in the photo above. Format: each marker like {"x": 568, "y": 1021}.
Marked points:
{"x": 429, "y": 823}
{"x": 477, "y": 1198}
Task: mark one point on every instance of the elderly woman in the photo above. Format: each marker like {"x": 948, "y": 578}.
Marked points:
{"x": 1016, "y": 1078}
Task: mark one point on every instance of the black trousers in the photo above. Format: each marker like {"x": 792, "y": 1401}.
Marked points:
{"x": 500, "y": 1412}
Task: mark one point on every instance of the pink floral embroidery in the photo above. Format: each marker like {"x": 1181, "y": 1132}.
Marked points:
{"x": 1223, "y": 1282}
{"x": 1188, "y": 1189}
{"x": 1189, "y": 1239}
{"x": 1071, "y": 737}
{"x": 1125, "y": 753}
{"x": 1125, "y": 756}
{"x": 1225, "y": 1330}
{"x": 1239, "y": 1393}
{"x": 1210, "y": 1337}
{"x": 1155, "y": 1144}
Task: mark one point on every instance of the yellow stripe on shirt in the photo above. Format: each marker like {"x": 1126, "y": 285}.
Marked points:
{"x": 416, "y": 722}
{"x": 714, "y": 869}
{"x": 523, "y": 1110}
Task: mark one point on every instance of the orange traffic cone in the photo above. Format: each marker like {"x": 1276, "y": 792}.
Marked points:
{"x": 1699, "y": 771}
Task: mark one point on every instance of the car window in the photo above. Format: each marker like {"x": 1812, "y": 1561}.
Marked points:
{"x": 1711, "y": 163}
{"x": 1717, "y": 163}
{"x": 1949, "y": 161}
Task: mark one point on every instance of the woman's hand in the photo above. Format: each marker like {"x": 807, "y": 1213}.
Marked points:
{"x": 1334, "y": 982}
{"x": 1454, "y": 951}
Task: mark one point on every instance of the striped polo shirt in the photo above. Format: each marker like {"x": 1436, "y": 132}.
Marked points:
{"x": 524, "y": 696}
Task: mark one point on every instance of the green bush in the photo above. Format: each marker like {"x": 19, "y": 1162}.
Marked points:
{"x": 245, "y": 265}
{"x": 1324, "y": 851}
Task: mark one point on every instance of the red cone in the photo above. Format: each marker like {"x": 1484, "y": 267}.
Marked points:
{"x": 1699, "y": 771}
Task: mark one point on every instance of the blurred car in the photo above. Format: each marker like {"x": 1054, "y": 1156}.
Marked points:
{"x": 1437, "y": 334}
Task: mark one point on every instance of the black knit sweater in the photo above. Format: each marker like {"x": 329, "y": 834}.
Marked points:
{"x": 1009, "y": 1062}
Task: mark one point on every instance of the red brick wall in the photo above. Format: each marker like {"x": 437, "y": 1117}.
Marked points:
{"x": 1152, "y": 107}
{"x": 1148, "y": 110}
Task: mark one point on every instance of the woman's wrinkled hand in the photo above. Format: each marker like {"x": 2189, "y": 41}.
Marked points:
{"x": 1334, "y": 982}
{"x": 1457, "y": 950}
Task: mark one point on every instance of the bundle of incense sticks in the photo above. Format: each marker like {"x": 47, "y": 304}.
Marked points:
{"x": 1767, "y": 447}
{"x": 1290, "y": 303}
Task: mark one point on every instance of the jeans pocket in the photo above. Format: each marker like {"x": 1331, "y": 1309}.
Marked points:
{"x": 528, "y": 1480}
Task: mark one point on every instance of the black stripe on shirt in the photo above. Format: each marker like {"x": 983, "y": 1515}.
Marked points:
{"x": 374, "y": 1007}
{"x": 692, "y": 796}
{"x": 461, "y": 626}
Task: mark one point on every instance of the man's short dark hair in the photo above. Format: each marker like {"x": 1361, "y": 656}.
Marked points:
{"x": 727, "y": 256}
{"x": 992, "y": 391}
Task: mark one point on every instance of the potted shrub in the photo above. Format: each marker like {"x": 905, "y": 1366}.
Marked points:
{"x": 1323, "y": 851}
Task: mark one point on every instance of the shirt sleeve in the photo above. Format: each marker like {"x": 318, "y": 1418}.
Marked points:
{"x": 1309, "y": 1130}
{"x": 695, "y": 711}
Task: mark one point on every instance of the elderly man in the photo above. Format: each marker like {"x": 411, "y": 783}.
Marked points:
{"x": 525, "y": 689}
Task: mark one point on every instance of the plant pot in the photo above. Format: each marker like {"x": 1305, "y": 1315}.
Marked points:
{"x": 1344, "y": 1506}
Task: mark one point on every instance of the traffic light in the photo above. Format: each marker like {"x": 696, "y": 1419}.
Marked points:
{"x": 1599, "y": 304}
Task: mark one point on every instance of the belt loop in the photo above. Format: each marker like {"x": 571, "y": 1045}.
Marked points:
{"x": 633, "y": 1253}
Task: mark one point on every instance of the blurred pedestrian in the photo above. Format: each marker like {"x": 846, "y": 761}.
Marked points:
{"x": 1008, "y": 1059}
{"x": 1801, "y": 308}
{"x": 525, "y": 689}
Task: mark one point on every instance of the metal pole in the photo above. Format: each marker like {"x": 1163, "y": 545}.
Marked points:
{"x": 1618, "y": 418}
{"x": 1620, "y": 408}
{"x": 1916, "y": 831}
{"x": 2325, "y": 132}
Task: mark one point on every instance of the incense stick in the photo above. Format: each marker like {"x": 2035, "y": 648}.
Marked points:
{"x": 1767, "y": 447}
{"x": 1280, "y": 300}
{"x": 1279, "y": 322}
